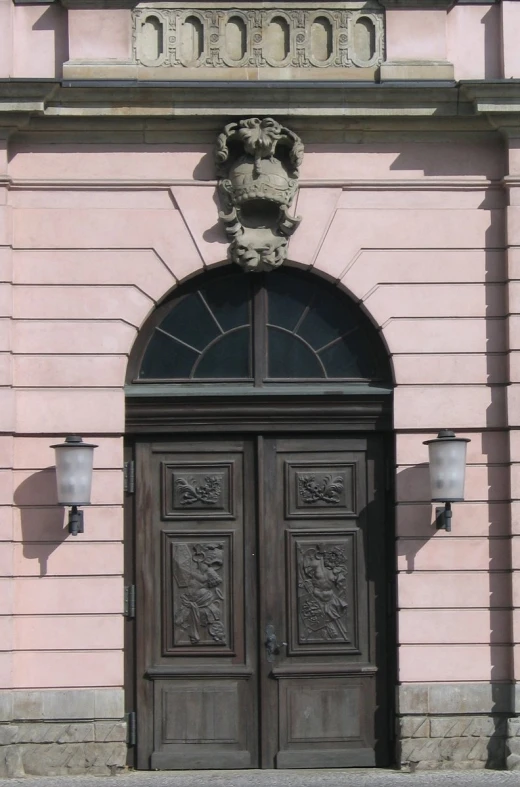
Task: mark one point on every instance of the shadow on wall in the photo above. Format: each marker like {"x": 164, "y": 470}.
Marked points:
{"x": 42, "y": 520}
{"x": 205, "y": 168}
{"x": 449, "y": 160}
{"x": 54, "y": 18}
{"x": 216, "y": 233}
{"x": 492, "y": 38}
{"x": 498, "y": 483}
{"x": 413, "y": 487}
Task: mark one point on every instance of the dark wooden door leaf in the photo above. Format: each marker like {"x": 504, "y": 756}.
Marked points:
{"x": 261, "y": 622}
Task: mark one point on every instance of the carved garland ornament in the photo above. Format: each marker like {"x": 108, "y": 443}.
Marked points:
{"x": 316, "y": 490}
{"x": 257, "y": 162}
{"x": 208, "y": 493}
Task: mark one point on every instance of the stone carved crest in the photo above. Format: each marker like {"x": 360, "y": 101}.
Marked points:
{"x": 257, "y": 162}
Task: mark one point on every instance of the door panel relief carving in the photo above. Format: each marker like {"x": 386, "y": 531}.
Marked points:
{"x": 322, "y": 597}
{"x": 327, "y": 488}
{"x": 206, "y": 493}
{"x": 197, "y": 573}
{"x": 192, "y": 490}
{"x": 322, "y": 573}
{"x": 314, "y": 491}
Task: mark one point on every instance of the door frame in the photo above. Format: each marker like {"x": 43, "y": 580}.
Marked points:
{"x": 151, "y": 416}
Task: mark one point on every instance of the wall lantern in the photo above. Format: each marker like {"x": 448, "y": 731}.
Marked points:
{"x": 74, "y": 461}
{"x": 447, "y": 471}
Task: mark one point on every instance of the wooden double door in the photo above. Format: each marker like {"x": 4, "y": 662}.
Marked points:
{"x": 261, "y": 603}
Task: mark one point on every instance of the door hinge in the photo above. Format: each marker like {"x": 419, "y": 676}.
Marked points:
{"x": 129, "y": 601}
{"x": 129, "y": 477}
{"x": 131, "y": 728}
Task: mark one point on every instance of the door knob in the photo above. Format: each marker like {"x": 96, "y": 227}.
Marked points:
{"x": 271, "y": 643}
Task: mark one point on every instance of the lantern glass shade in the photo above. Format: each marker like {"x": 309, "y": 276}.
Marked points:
{"x": 74, "y": 462}
{"x": 447, "y": 467}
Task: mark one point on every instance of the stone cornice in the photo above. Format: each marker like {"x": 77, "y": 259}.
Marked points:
{"x": 391, "y": 4}
{"x": 427, "y": 183}
{"x": 129, "y": 103}
{"x": 292, "y": 99}
{"x": 493, "y": 95}
{"x": 22, "y": 99}
{"x": 498, "y": 101}
{"x": 421, "y": 5}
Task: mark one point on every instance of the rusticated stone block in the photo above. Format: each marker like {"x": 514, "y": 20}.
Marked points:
{"x": 462, "y": 698}
{"x": 50, "y": 732}
{"x": 414, "y": 727}
{"x": 28, "y": 705}
{"x": 8, "y": 734}
{"x": 513, "y": 728}
{"x": 61, "y": 748}
{"x": 416, "y": 750}
{"x": 463, "y": 765}
{"x": 110, "y": 731}
{"x": 468, "y": 726}
{"x": 513, "y": 746}
{"x": 12, "y": 763}
{"x": 413, "y": 698}
{"x": 6, "y": 705}
{"x": 76, "y": 733}
{"x": 109, "y": 703}
{"x": 458, "y": 749}
{"x": 429, "y": 753}
{"x": 61, "y": 704}
{"x": 65, "y": 759}
{"x": 473, "y": 698}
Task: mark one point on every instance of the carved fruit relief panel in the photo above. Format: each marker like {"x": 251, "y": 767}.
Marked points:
{"x": 194, "y": 490}
{"x": 268, "y": 36}
{"x": 320, "y": 490}
{"x": 197, "y": 574}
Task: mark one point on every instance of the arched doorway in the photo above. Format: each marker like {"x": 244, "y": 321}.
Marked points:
{"x": 259, "y": 412}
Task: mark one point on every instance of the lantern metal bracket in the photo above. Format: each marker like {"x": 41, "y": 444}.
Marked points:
{"x": 443, "y": 518}
{"x": 75, "y": 521}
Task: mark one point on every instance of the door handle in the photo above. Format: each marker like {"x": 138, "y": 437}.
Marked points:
{"x": 271, "y": 643}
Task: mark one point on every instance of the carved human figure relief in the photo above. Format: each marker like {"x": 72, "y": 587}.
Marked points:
{"x": 199, "y": 609}
{"x": 322, "y": 593}
{"x": 257, "y": 162}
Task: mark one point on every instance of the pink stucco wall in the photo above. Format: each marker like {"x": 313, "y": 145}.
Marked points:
{"x": 93, "y": 236}
{"x": 412, "y": 231}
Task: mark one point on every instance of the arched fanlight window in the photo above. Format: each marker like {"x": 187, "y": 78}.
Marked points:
{"x": 278, "y": 327}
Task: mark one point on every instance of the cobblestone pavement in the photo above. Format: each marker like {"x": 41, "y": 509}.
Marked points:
{"x": 293, "y": 778}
